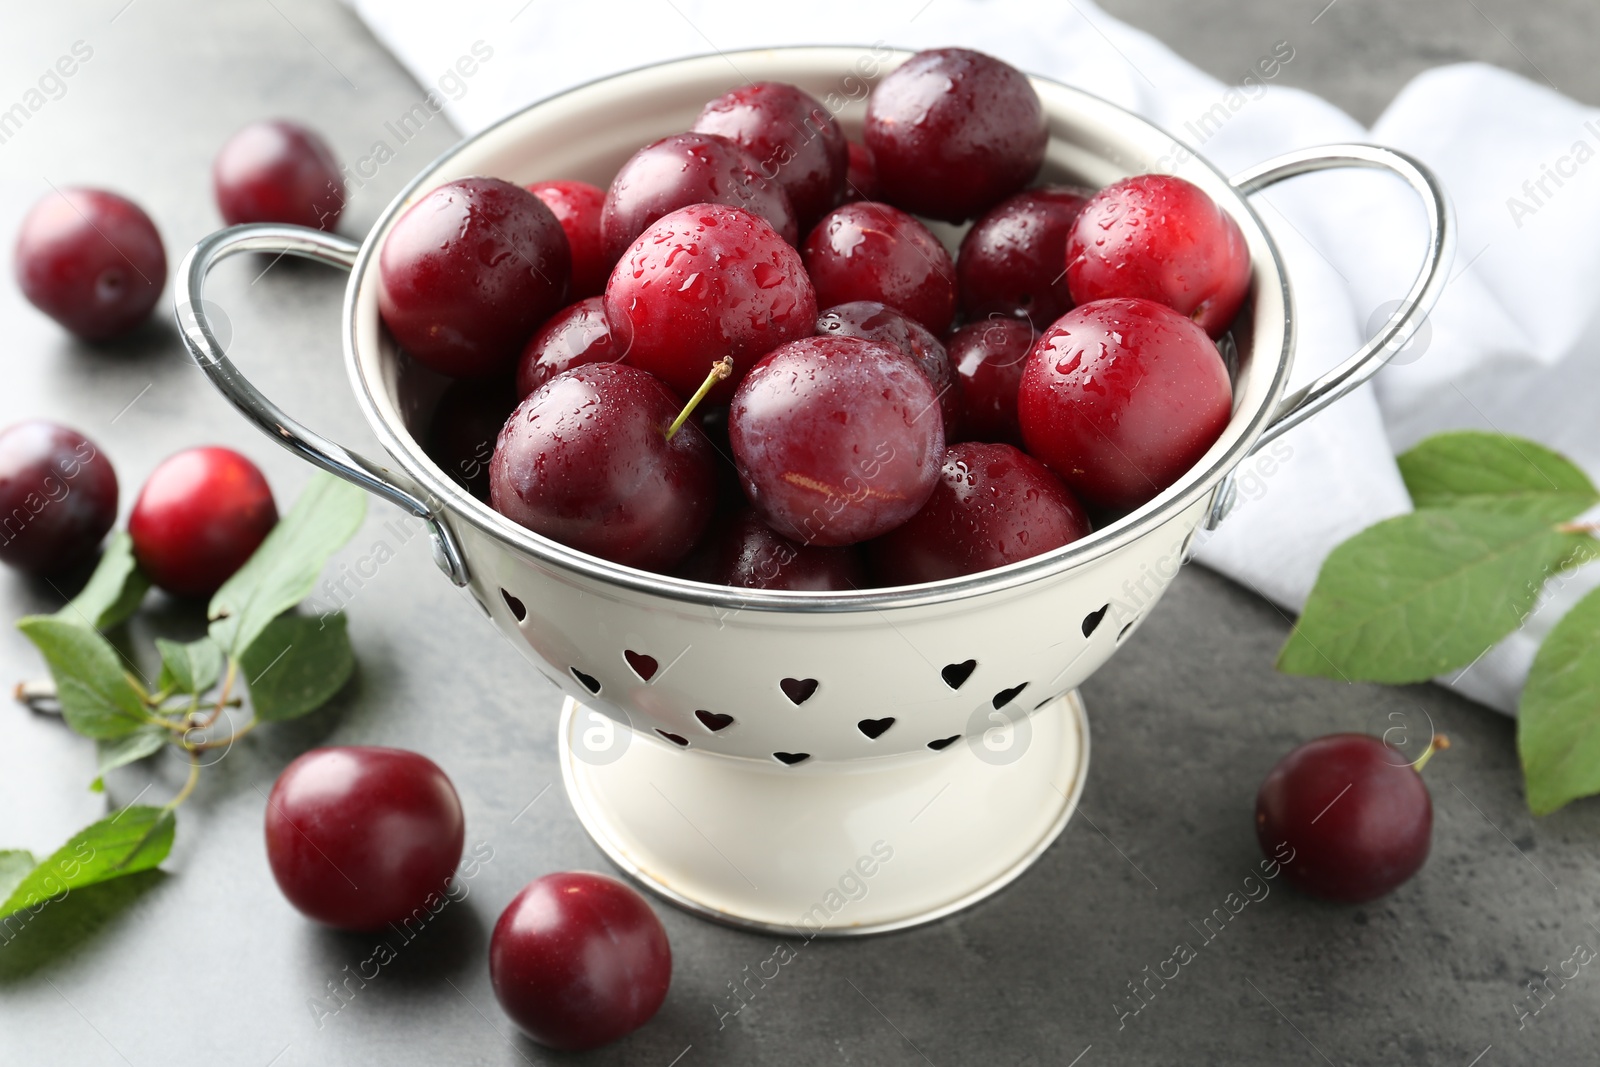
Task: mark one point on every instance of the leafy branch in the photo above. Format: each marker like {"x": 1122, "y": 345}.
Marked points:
{"x": 1423, "y": 594}
{"x": 289, "y": 664}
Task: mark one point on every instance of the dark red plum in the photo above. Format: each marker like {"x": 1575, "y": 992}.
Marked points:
{"x": 1121, "y": 398}
{"x": 702, "y": 284}
{"x": 687, "y": 169}
{"x": 794, "y": 139}
{"x": 586, "y": 461}
{"x": 1013, "y": 260}
{"x": 469, "y": 272}
{"x": 58, "y": 497}
{"x": 953, "y": 132}
{"x": 91, "y": 260}
{"x": 994, "y": 505}
{"x": 360, "y": 837}
{"x": 1160, "y": 238}
{"x": 837, "y": 439}
{"x": 871, "y": 251}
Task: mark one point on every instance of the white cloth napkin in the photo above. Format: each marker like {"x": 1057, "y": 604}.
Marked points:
{"x": 1513, "y": 345}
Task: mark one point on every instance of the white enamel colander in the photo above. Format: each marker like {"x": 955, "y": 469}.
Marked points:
{"x": 815, "y": 761}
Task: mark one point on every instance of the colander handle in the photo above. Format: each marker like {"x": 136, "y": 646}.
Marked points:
{"x": 195, "y": 325}
{"x": 1305, "y": 402}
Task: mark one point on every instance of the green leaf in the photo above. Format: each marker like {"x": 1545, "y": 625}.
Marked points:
{"x": 14, "y": 866}
{"x": 189, "y": 668}
{"x": 97, "y": 697}
{"x": 1558, "y": 720}
{"x": 297, "y": 664}
{"x": 1496, "y": 472}
{"x": 134, "y": 839}
{"x": 1421, "y": 594}
{"x": 114, "y": 752}
{"x": 284, "y": 570}
{"x": 114, "y": 591}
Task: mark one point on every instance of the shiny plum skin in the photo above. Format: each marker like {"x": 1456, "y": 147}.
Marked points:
{"x": 578, "y": 960}
{"x": 575, "y": 335}
{"x": 683, "y": 170}
{"x": 707, "y": 282}
{"x": 464, "y": 428}
{"x": 752, "y": 555}
{"x": 1160, "y": 238}
{"x": 278, "y": 171}
{"x": 201, "y": 514}
{"x": 91, "y": 260}
{"x": 861, "y": 179}
{"x": 871, "y": 251}
{"x": 577, "y": 206}
{"x": 1355, "y": 818}
{"x": 953, "y": 132}
{"x": 988, "y": 357}
{"x": 1012, "y": 260}
{"x": 1121, "y": 398}
{"x": 794, "y": 139}
{"x": 994, "y": 505}
{"x": 585, "y": 461}
{"x": 837, "y": 439}
{"x": 469, "y": 272}
{"x": 872, "y": 321}
{"x": 360, "y": 837}
{"x": 58, "y": 497}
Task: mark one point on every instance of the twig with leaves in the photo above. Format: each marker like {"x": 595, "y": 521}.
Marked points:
{"x": 1420, "y": 595}
{"x": 290, "y": 664}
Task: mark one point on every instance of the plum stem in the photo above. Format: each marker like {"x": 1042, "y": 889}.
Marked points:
{"x": 39, "y": 696}
{"x": 1438, "y": 744}
{"x": 719, "y": 370}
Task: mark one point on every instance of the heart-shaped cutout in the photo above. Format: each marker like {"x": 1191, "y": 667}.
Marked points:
{"x": 874, "y": 728}
{"x": 1005, "y": 696}
{"x": 1091, "y": 621}
{"x": 956, "y": 674}
{"x": 791, "y": 758}
{"x": 516, "y": 606}
{"x": 798, "y": 690}
{"x": 674, "y": 738}
{"x": 588, "y": 681}
{"x": 714, "y": 721}
{"x": 644, "y": 666}
{"x": 943, "y": 743}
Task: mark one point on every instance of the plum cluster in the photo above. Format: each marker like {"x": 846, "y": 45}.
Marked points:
{"x": 751, "y": 362}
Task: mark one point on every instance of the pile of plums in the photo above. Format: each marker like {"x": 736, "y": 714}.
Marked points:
{"x": 642, "y": 373}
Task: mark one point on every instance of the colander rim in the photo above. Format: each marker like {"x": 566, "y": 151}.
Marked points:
{"x": 460, "y": 506}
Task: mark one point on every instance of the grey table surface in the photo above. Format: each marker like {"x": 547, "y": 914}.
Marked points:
{"x": 208, "y": 964}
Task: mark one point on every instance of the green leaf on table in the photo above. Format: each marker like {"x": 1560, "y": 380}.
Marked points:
{"x": 1496, "y": 472}
{"x": 97, "y": 697}
{"x": 134, "y": 839}
{"x": 297, "y": 664}
{"x": 15, "y": 863}
{"x": 1558, "y": 720}
{"x": 114, "y": 752}
{"x": 114, "y": 591}
{"x": 1421, "y": 594}
{"x": 284, "y": 570}
{"x": 189, "y": 668}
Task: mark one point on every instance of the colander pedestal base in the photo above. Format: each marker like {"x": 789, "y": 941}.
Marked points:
{"x": 830, "y": 849}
